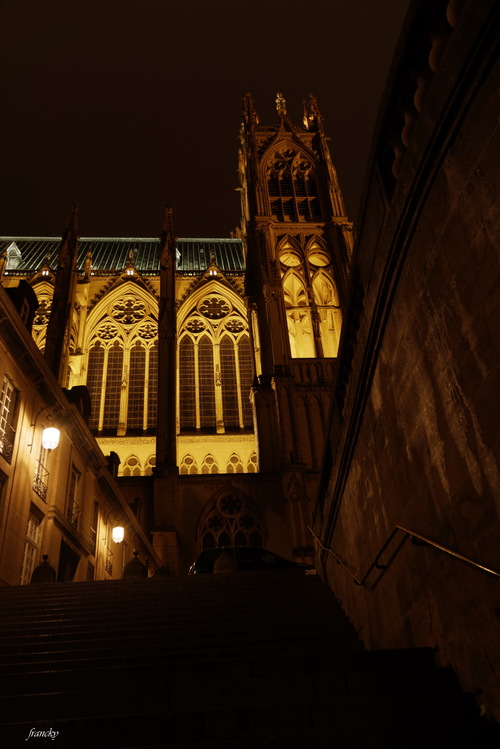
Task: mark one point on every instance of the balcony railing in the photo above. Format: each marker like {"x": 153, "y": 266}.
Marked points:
{"x": 109, "y": 563}
{"x": 73, "y": 514}
{"x": 7, "y": 434}
{"x": 93, "y": 540}
{"x": 41, "y": 481}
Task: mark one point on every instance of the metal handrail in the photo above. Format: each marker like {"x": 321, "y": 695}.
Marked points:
{"x": 417, "y": 539}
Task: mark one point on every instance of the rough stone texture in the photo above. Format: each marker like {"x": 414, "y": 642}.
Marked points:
{"x": 414, "y": 435}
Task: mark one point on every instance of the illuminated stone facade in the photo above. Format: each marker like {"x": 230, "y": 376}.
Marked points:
{"x": 209, "y": 362}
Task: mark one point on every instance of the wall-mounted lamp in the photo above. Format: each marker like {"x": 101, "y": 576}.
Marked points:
{"x": 117, "y": 531}
{"x": 50, "y": 438}
{"x": 118, "y": 534}
{"x": 50, "y": 435}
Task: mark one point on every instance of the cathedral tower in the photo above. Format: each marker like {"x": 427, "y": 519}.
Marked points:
{"x": 298, "y": 246}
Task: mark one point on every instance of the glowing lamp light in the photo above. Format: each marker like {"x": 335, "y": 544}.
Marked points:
{"x": 50, "y": 438}
{"x": 118, "y": 534}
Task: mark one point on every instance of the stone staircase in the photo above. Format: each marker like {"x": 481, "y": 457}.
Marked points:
{"x": 236, "y": 661}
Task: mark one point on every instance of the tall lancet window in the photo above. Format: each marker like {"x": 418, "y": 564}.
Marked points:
{"x": 122, "y": 378}
{"x": 215, "y": 371}
{"x": 310, "y": 296}
{"x": 292, "y": 188}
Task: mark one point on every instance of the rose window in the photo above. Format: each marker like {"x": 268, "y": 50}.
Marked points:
{"x": 230, "y": 505}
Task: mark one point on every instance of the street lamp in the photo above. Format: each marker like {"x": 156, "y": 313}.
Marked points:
{"x": 50, "y": 438}
{"x": 118, "y": 534}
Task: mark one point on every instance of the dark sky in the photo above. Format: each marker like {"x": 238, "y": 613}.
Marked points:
{"x": 123, "y": 106}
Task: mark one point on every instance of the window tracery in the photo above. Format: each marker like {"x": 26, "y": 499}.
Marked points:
{"x": 188, "y": 465}
{"x": 128, "y": 310}
{"x": 209, "y": 464}
{"x": 150, "y": 464}
{"x": 132, "y": 466}
{"x": 252, "y": 463}
{"x": 122, "y": 368}
{"x": 234, "y": 464}
{"x": 215, "y": 367}
{"x": 311, "y": 299}
{"x": 292, "y": 187}
{"x": 229, "y": 521}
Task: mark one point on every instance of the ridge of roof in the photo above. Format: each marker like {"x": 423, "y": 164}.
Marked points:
{"x": 13, "y": 238}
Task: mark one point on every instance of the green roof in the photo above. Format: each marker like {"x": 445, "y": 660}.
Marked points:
{"x": 110, "y": 254}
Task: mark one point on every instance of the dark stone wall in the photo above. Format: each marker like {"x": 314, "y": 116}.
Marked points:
{"x": 414, "y": 438}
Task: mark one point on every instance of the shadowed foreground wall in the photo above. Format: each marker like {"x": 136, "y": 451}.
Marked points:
{"x": 414, "y": 432}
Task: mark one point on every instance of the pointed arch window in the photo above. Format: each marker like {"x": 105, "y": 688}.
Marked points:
{"x": 292, "y": 188}
{"x": 215, "y": 372}
{"x": 113, "y": 380}
{"x": 206, "y": 382}
{"x": 152, "y": 385}
{"x": 188, "y": 465}
{"x": 300, "y": 326}
{"x": 229, "y": 382}
{"x": 234, "y": 464}
{"x": 135, "y": 417}
{"x": 132, "y": 466}
{"x": 229, "y": 521}
{"x": 209, "y": 464}
{"x": 122, "y": 379}
{"x": 310, "y": 296}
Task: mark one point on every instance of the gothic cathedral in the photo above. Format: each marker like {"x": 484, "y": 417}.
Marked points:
{"x": 209, "y": 362}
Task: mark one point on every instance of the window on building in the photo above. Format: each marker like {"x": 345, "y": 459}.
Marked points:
{"x": 150, "y": 465}
{"x": 132, "y": 466}
{"x": 234, "y": 464}
{"x": 3, "y": 484}
{"x": 209, "y": 464}
{"x": 73, "y": 506}
{"x": 311, "y": 300}
{"x": 31, "y": 545}
{"x": 93, "y": 527}
{"x": 122, "y": 378}
{"x": 252, "y": 463}
{"x": 292, "y": 189}
{"x": 41, "y": 477}
{"x": 8, "y": 400}
{"x": 229, "y": 521}
{"x": 215, "y": 369}
{"x": 188, "y": 465}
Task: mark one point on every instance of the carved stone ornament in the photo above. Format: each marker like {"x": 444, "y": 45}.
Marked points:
{"x": 128, "y": 311}
{"x": 214, "y": 308}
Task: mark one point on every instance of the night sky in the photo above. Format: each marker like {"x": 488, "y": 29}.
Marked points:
{"x": 123, "y": 106}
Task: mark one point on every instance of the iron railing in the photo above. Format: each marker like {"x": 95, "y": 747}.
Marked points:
{"x": 41, "y": 481}
{"x": 381, "y": 566}
{"x": 7, "y": 435}
{"x": 73, "y": 514}
{"x": 109, "y": 564}
{"x": 93, "y": 540}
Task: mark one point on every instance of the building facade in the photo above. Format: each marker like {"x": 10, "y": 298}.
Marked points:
{"x": 57, "y": 493}
{"x": 208, "y": 362}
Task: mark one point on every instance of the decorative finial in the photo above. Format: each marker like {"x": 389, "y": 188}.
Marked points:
{"x": 168, "y": 225}
{"x": 280, "y": 103}
{"x": 72, "y": 224}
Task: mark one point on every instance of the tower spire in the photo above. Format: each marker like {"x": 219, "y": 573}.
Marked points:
{"x": 166, "y": 426}
{"x": 63, "y": 298}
